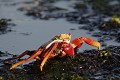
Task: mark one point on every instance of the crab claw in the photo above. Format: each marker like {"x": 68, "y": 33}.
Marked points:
{"x": 76, "y": 43}
{"x": 92, "y": 42}
{"x": 67, "y": 48}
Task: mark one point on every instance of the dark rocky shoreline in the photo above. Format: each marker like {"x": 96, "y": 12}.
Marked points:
{"x": 84, "y": 65}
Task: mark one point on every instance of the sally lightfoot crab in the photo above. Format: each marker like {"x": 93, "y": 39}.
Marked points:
{"x": 59, "y": 45}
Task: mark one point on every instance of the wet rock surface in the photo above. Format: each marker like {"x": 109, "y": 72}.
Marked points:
{"x": 5, "y": 26}
{"x": 84, "y": 65}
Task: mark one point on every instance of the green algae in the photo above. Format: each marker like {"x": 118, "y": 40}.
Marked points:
{"x": 5, "y": 26}
{"x": 80, "y": 6}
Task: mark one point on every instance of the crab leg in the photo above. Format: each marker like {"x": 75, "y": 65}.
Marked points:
{"x": 37, "y": 52}
{"x": 27, "y": 52}
{"x": 76, "y": 43}
{"x": 48, "y": 53}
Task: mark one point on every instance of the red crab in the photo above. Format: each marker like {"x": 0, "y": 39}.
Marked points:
{"x": 60, "y": 46}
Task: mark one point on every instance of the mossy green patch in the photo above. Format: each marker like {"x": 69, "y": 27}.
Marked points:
{"x": 80, "y": 6}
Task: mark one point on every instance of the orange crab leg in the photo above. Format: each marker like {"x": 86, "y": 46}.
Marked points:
{"x": 48, "y": 53}
{"x": 27, "y": 52}
{"x": 77, "y": 43}
{"x": 37, "y": 52}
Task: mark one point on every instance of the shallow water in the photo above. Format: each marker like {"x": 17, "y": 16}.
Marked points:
{"x": 29, "y": 33}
